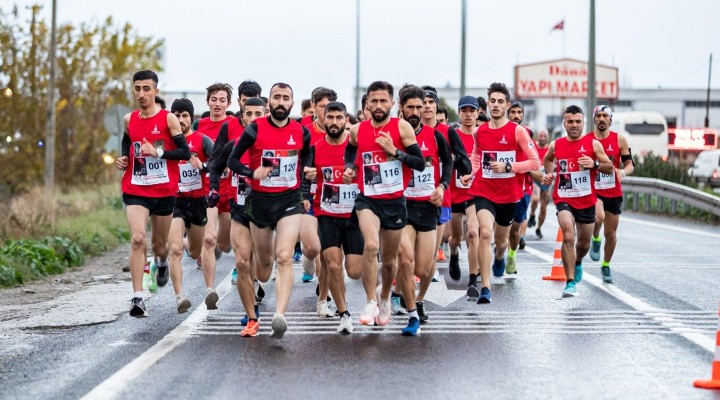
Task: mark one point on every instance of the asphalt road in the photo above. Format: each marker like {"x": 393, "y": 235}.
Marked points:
{"x": 647, "y": 336}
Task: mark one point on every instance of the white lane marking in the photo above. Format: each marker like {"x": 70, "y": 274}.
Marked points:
{"x": 670, "y": 227}
{"x": 468, "y": 331}
{"x": 113, "y": 385}
{"x": 634, "y": 302}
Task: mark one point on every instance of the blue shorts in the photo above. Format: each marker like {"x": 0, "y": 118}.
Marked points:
{"x": 311, "y": 211}
{"x": 543, "y": 188}
{"x": 445, "y": 215}
{"x": 521, "y": 209}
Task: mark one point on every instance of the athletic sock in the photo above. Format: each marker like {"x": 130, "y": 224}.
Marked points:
{"x": 511, "y": 253}
{"x": 570, "y": 280}
{"x": 413, "y": 313}
{"x": 596, "y": 239}
{"x": 473, "y": 280}
{"x": 161, "y": 263}
{"x": 138, "y": 295}
{"x": 605, "y": 264}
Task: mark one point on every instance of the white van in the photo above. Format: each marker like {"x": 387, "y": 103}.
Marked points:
{"x": 706, "y": 168}
{"x": 646, "y": 132}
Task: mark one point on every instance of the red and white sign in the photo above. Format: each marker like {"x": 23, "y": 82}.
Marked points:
{"x": 566, "y": 78}
{"x": 692, "y": 139}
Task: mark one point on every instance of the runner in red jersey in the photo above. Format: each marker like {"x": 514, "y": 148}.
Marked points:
{"x": 381, "y": 152}
{"x": 579, "y": 158}
{"x": 424, "y": 195}
{"x": 190, "y": 213}
{"x": 150, "y": 180}
{"x": 333, "y": 204}
{"x": 462, "y": 203}
{"x": 279, "y": 148}
{"x": 608, "y": 188}
{"x": 498, "y": 145}
{"x": 541, "y": 193}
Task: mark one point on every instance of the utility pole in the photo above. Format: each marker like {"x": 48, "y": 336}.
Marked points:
{"x": 357, "y": 55}
{"x": 462, "y": 47}
{"x": 591, "y": 101}
{"x": 707, "y": 100}
{"x": 50, "y": 125}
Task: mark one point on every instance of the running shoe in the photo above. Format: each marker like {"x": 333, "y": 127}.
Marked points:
{"x": 511, "y": 267}
{"x": 538, "y": 233}
{"x": 412, "y": 328}
{"x": 137, "y": 308}
{"x": 182, "y": 304}
{"x": 279, "y": 326}
{"x": 323, "y": 311}
{"x": 472, "y": 292}
{"x": 570, "y": 290}
{"x": 163, "y": 275}
{"x": 244, "y": 320}
{"x": 218, "y": 253}
{"x": 440, "y": 255}
{"x": 199, "y": 263}
{"x": 578, "y": 272}
{"x": 259, "y": 292}
{"x": 454, "y": 267}
{"x": 274, "y": 272}
{"x": 522, "y": 243}
{"x": 251, "y": 329}
{"x": 211, "y": 299}
{"x": 531, "y": 221}
{"x": 307, "y": 278}
{"x": 153, "y": 286}
{"x": 346, "y": 326}
{"x": 317, "y": 293}
{"x": 233, "y": 277}
{"x": 369, "y": 312}
{"x": 420, "y": 307}
{"x": 395, "y": 304}
{"x": 498, "y": 267}
{"x": 298, "y": 254}
{"x": 606, "y": 274}
{"x": 383, "y": 317}
{"x": 595, "y": 249}
{"x": 484, "y": 296}
{"x": 436, "y": 276}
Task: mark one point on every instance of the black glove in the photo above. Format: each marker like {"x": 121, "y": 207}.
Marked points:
{"x": 213, "y": 198}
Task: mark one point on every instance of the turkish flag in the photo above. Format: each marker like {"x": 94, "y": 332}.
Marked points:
{"x": 559, "y": 26}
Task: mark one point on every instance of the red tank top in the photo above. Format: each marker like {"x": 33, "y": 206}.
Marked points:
{"x": 333, "y": 197}
{"x": 380, "y": 175}
{"x": 150, "y": 176}
{"x": 315, "y": 134}
{"x": 573, "y": 183}
{"x": 191, "y": 183}
{"x": 497, "y": 145}
{"x": 458, "y": 192}
{"x": 211, "y": 128}
{"x": 444, "y": 129}
{"x": 228, "y": 183}
{"x": 306, "y": 120}
{"x": 422, "y": 184}
{"x": 279, "y": 147}
{"x": 608, "y": 185}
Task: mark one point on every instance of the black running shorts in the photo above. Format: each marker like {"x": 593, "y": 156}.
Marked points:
{"x": 581, "y": 215}
{"x": 160, "y": 206}
{"x": 193, "y": 210}
{"x": 340, "y": 232}
{"x": 391, "y": 212}
{"x": 503, "y": 213}
{"x": 611, "y": 204}
{"x": 265, "y": 210}
{"x": 423, "y": 215}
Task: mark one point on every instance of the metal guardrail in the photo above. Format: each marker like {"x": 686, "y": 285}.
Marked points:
{"x": 673, "y": 192}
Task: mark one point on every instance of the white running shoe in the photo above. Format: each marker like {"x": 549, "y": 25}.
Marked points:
{"x": 323, "y": 311}
{"x": 369, "y": 312}
{"x": 182, "y": 304}
{"x": 346, "y": 326}
{"x": 211, "y": 299}
{"x": 279, "y": 326}
{"x": 383, "y": 317}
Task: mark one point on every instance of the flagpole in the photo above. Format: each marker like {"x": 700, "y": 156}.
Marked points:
{"x": 563, "y": 38}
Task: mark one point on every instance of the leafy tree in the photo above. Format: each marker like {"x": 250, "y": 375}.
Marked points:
{"x": 95, "y": 63}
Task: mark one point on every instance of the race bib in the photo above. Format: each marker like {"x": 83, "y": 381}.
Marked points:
{"x": 382, "y": 173}
{"x": 284, "y": 165}
{"x": 243, "y": 190}
{"x": 573, "y": 179}
{"x": 422, "y": 184}
{"x": 500, "y": 156}
{"x": 190, "y": 178}
{"x": 149, "y": 171}
{"x": 458, "y": 182}
{"x": 605, "y": 181}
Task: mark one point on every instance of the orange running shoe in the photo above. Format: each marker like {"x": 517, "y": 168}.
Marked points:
{"x": 441, "y": 255}
{"x": 252, "y": 329}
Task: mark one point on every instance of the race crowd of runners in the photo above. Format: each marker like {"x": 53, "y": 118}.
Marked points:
{"x": 362, "y": 192}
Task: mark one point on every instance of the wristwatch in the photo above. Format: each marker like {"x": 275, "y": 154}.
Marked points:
{"x": 160, "y": 153}
{"x": 508, "y": 167}
{"x": 597, "y": 164}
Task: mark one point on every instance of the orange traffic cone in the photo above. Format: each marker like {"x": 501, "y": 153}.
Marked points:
{"x": 714, "y": 382}
{"x": 557, "y": 273}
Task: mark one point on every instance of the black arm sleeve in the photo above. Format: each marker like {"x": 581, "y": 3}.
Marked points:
{"x": 350, "y": 154}
{"x": 413, "y": 158}
{"x": 305, "y": 183}
{"x": 219, "y": 145}
{"x": 445, "y": 158}
{"x": 182, "y": 152}
{"x": 207, "y": 146}
{"x": 216, "y": 169}
{"x": 245, "y": 142}
{"x": 462, "y": 161}
{"x": 306, "y": 160}
{"x": 125, "y": 146}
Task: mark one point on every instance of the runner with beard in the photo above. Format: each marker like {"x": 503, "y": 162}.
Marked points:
{"x": 541, "y": 193}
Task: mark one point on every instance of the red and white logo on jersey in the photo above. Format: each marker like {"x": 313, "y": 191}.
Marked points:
{"x": 291, "y": 141}
{"x": 503, "y": 141}
{"x": 610, "y": 147}
{"x": 582, "y": 149}
{"x": 423, "y": 147}
{"x": 155, "y": 131}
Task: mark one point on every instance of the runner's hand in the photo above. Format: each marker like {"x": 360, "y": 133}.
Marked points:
{"x": 148, "y": 149}
{"x": 385, "y": 141}
{"x": 310, "y": 173}
{"x": 195, "y": 162}
{"x": 437, "y": 196}
{"x": 348, "y": 176}
{"x": 262, "y": 172}
{"x": 213, "y": 198}
{"x": 121, "y": 162}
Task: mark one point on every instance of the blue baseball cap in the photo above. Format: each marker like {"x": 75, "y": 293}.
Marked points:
{"x": 468, "y": 101}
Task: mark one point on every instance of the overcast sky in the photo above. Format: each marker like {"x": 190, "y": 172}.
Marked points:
{"x": 311, "y": 43}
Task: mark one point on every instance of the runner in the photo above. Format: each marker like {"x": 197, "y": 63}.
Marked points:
{"x": 441, "y": 115}
{"x": 424, "y": 195}
{"x": 333, "y": 206}
{"x": 150, "y": 180}
{"x": 541, "y": 193}
{"x": 190, "y": 213}
{"x": 498, "y": 145}
{"x": 579, "y": 158}
{"x": 382, "y": 151}
{"x": 278, "y": 148}
{"x": 608, "y": 188}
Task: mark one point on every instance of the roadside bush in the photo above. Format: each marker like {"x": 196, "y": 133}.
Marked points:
{"x": 653, "y": 166}
{"x": 41, "y": 259}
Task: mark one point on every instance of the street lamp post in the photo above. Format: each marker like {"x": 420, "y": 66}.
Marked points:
{"x": 591, "y": 62}
{"x": 50, "y": 127}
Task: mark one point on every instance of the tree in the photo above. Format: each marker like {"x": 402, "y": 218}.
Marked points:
{"x": 95, "y": 63}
